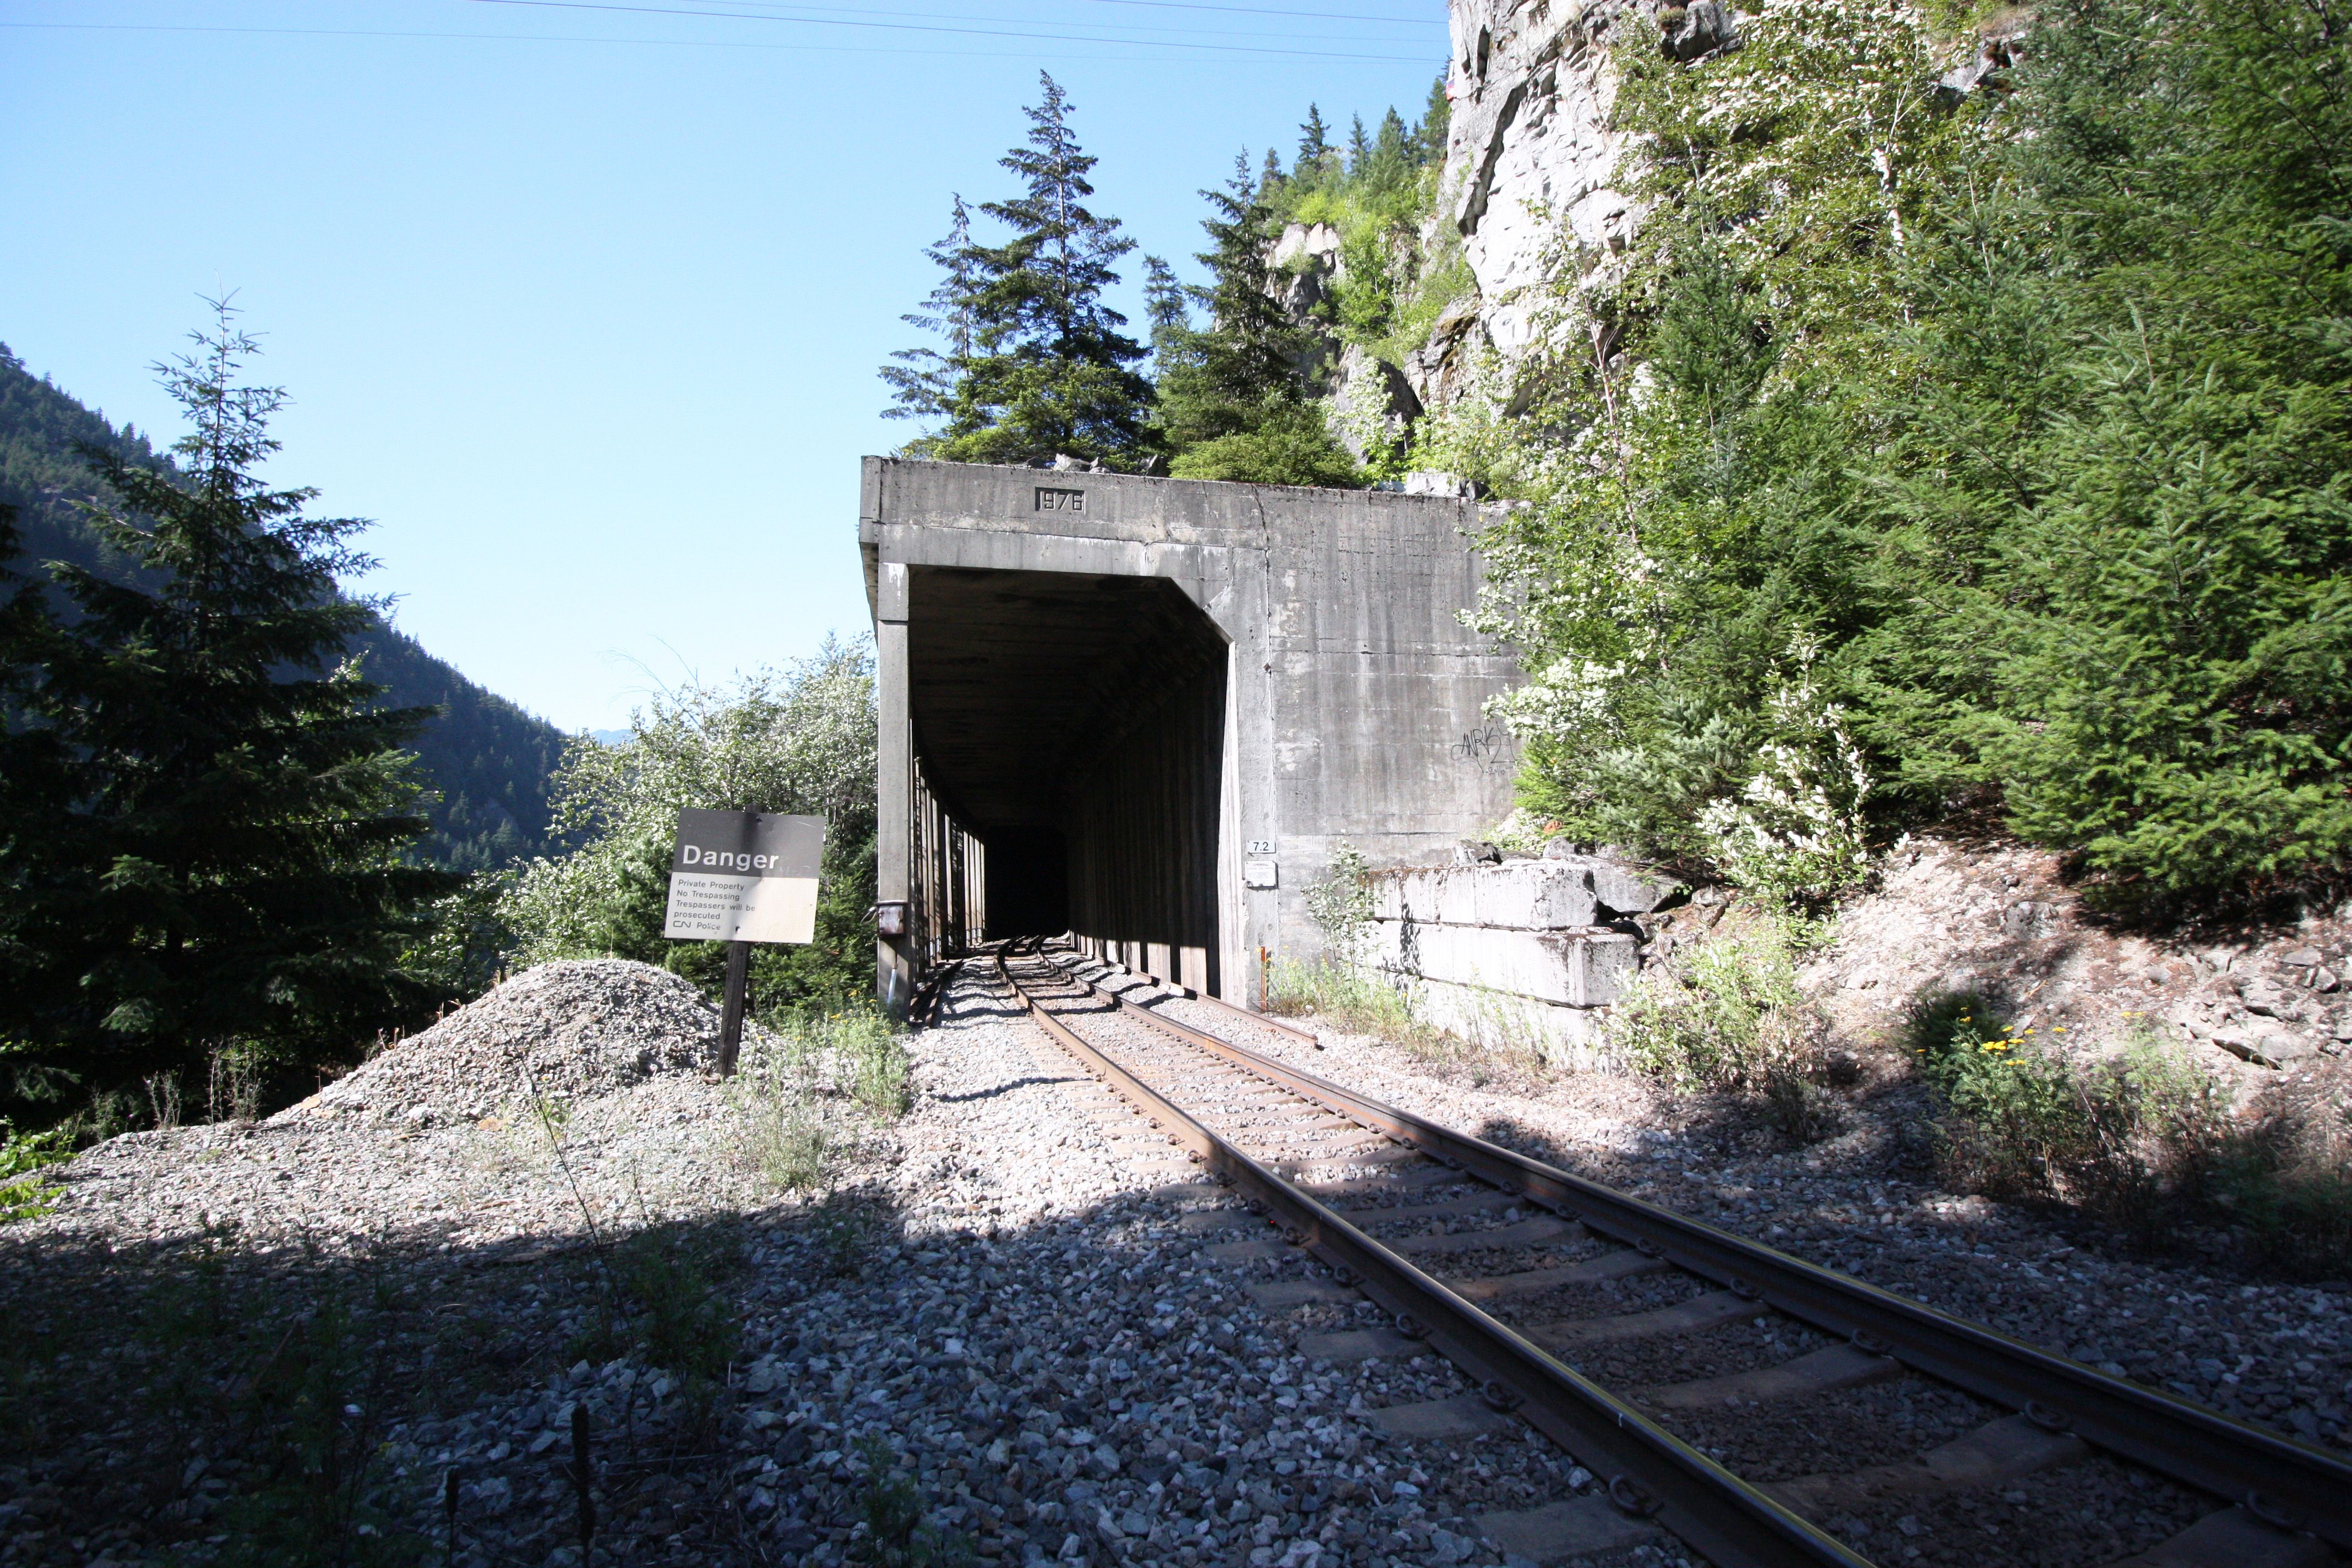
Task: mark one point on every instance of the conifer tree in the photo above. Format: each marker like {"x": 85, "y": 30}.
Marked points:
{"x": 210, "y": 846}
{"x": 1233, "y": 398}
{"x": 1314, "y": 146}
{"x": 923, "y": 382}
{"x": 1047, "y": 372}
{"x": 1429, "y": 136}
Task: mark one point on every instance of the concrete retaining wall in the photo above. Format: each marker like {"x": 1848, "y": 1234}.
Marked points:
{"x": 1532, "y": 952}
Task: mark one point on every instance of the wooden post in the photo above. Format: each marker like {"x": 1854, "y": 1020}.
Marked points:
{"x": 582, "y": 1479}
{"x": 730, "y": 1016}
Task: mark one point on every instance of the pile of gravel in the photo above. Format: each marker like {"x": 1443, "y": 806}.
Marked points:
{"x": 582, "y": 1028}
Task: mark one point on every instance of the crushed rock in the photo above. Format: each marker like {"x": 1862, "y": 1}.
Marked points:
{"x": 570, "y": 1031}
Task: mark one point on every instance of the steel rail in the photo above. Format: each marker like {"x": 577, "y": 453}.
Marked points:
{"x": 1649, "y": 1470}
{"x": 2276, "y": 1479}
{"x": 1263, "y": 1020}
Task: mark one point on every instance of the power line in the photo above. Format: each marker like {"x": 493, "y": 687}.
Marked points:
{"x": 1157, "y": 59}
{"x": 615, "y": 6}
{"x": 756, "y": 11}
{"x": 1266, "y": 11}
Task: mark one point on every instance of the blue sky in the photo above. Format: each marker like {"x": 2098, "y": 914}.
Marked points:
{"x": 583, "y": 303}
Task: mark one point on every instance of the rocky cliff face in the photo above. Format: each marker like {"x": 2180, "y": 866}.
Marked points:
{"x": 1529, "y": 156}
{"x": 1528, "y": 188}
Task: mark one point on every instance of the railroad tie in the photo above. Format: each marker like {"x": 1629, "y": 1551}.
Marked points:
{"x": 2234, "y": 1538}
{"x": 1580, "y": 1527}
{"x": 1526, "y": 1233}
{"x": 1618, "y": 1263}
{"x": 1278, "y": 1294}
{"x": 2004, "y": 1451}
{"x": 1822, "y": 1372}
{"x": 1463, "y": 1416}
{"x": 1475, "y": 1202}
{"x": 1698, "y": 1314}
{"x": 1345, "y": 1345}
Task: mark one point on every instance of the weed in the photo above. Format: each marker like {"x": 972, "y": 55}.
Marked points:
{"x": 879, "y": 1068}
{"x": 858, "y": 1051}
{"x": 1734, "y": 1020}
{"x": 24, "y": 1191}
{"x": 2136, "y": 1138}
{"x": 847, "y": 1230}
{"x": 1341, "y": 903}
{"x": 309, "y": 1407}
{"x": 163, "y": 1099}
{"x": 232, "y": 1083}
{"x": 682, "y": 1321}
{"x": 790, "y": 1148}
{"x": 2287, "y": 1182}
{"x": 899, "y": 1531}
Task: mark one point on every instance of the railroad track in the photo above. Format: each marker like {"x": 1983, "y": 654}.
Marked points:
{"x": 1329, "y": 1167}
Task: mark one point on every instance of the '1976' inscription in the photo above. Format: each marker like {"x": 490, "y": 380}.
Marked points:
{"x": 1060, "y": 500}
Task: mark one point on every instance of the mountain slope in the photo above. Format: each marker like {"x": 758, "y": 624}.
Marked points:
{"x": 487, "y": 760}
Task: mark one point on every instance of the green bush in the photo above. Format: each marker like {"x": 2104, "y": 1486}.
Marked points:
{"x": 25, "y": 1192}
{"x": 1352, "y": 997}
{"x": 2141, "y": 1138}
{"x": 1733, "y": 1020}
{"x": 2033, "y": 420}
{"x": 2132, "y": 1137}
{"x": 858, "y": 1051}
{"x": 800, "y": 740}
{"x": 1293, "y": 445}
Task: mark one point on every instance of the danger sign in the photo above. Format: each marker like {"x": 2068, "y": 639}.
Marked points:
{"x": 744, "y": 876}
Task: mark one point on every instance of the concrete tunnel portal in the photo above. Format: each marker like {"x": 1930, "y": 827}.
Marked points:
{"x": 1074, "y": 724}
{"x": 1146, "y": 712}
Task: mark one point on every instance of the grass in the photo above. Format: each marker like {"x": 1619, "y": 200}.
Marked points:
{"x": 2139, "y": 1137}
{"x": 859, "y": 1052}
{"x": 790, "y": 1068}
{"x": 1734, "y": 1021}
{"x": 899, "y": 1531}
{"x": 24, "y": 1191}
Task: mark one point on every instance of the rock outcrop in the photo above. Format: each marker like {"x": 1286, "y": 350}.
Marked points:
{"x": 1530, "y": 159}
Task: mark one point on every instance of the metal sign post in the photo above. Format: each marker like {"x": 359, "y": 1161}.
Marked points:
{"x": 742, "y": 877}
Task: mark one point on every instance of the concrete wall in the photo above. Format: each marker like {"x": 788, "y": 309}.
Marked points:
{"x": 1352, "y": 692}
{"x": 1529, "y": 951}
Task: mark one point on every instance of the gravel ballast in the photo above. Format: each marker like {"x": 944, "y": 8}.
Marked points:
{"x": 1000, "y": 1318}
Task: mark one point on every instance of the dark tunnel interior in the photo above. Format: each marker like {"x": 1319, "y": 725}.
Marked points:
{"x": 1074, "y": 724}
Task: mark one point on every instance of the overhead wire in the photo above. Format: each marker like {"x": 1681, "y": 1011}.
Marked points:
{"x": 770, "y": 10}
{"x": 792, "y": 48}
{"x": 617, "y": 7}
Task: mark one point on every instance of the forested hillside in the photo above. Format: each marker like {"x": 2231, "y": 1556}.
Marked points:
{"x": 488, "y": 762}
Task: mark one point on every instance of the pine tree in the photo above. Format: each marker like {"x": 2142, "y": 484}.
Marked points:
{"x": 923, "y": 383}
{"x": 1360, "y": 148}
{"x": 1429, "y": 136}
{"x": 1232, "y": 399}
{"x": 214, "y": 849}
{"x": 1045, "y": 371}
{"x": 1314, "y": 147}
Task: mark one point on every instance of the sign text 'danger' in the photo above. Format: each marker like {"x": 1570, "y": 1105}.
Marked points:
{"x": 744, "y": 876}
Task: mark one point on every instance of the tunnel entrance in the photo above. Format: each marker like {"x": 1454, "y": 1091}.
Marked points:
{"x": 1156, "y": 712}
{"x": 1074, "y": 723}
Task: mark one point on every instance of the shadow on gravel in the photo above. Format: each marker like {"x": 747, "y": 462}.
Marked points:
{"x": 202, "y": 1400}
{"x": 1003, "y": 1088}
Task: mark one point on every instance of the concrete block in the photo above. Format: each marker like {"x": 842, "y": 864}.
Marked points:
{"x": 1551, "y": 894}
{"x": 1568, "y": 1037}
{"x": 1622, "y": 888}
{"x": 1588, "y": 968}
